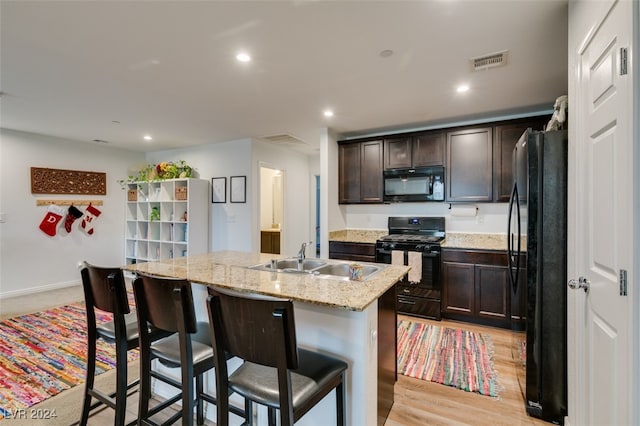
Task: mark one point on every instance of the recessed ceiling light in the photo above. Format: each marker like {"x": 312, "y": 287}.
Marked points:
{"x": 147, "y": 137}
{"x": 243, "y": 57}
{"x": 386, "y": 53}
{"x": 462, "y": 88}
{"x": 328, "y": 113}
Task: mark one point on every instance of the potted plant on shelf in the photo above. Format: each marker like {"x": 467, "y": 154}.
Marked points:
{"x": 161, "y": 171}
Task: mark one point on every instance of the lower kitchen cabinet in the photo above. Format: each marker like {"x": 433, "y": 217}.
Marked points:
{"x": 345, "y": 250}
{"x": 270, "y": 242}
{"x": 475, "y": 287}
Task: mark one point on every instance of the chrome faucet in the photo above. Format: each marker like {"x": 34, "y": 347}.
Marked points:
{"x": 301, "y": 256}
{"x": 302, "y": 253}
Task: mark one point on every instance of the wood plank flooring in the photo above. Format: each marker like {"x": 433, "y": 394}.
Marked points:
{"x": 417, "y": 402}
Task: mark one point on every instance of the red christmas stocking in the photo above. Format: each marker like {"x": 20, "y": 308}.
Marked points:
{"x": 90, "y": 214}
{"x": 72, "y": 214}
{"x": 51, "y": 220}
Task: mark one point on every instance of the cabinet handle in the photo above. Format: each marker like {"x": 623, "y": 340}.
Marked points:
{"x": 406, "y": 291}
{"x": 406, "y": 302}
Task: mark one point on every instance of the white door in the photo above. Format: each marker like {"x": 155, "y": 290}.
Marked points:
{"x": 603, "y": 216}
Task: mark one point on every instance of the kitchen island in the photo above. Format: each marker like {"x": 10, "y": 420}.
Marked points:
{"x": 351, "y": 320}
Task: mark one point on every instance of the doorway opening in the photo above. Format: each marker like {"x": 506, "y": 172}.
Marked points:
{"x": 271, "y": 209}
{"x": 317, "y": 216}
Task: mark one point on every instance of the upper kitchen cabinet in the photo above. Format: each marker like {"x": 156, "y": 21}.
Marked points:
{"x": 421, "y": 150}
{"x": 469, "y": 165}
{"x": 505, "y": 138}
{"x": 360, "y": 172}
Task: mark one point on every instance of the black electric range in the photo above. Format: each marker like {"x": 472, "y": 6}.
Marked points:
{"x": 415, "y": 241}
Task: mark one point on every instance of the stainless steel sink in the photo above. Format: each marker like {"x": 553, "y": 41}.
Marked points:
{"x": 319, "y": 268}
{"x": 342, "y": 270}
{"x": 290, "y": 265}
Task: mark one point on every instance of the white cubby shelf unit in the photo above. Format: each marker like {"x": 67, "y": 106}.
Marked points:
{"x": 166, "y": 219}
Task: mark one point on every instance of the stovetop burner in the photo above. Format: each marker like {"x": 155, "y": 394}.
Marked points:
{"x": 411, "y": 238}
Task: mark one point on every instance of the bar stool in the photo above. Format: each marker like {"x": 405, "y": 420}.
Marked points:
{"x": 167, "y": 304}
{"x": 104, "y": 289}
{"x": 276, "y": 373}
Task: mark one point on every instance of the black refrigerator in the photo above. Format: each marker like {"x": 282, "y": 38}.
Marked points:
{"x": 537, "y": 232}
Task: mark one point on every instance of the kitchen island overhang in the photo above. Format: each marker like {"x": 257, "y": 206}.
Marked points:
{"x": 334, "y": 316}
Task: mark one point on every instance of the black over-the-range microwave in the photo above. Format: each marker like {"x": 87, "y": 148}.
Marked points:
{"x": 418, "y": 184}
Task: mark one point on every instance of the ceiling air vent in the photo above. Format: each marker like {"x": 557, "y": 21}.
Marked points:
{"x": 284, "y": 139}
{"x": 490, "y": 60}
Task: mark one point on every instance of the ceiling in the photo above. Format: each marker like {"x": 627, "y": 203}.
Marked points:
{"x": 115, "y": 71}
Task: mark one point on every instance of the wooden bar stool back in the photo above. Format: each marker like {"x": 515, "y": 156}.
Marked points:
{"x": 104, "y": 289}
{"x": 167, "y": 304}
{"x": 276, "y": 373}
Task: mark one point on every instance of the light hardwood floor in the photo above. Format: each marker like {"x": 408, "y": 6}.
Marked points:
{"x": 417, "y": 402}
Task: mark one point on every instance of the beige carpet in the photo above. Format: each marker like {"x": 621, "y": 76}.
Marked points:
{"x": 68, "y": 404}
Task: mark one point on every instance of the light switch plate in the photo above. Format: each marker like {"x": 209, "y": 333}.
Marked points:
{"x": 3, "y": 217}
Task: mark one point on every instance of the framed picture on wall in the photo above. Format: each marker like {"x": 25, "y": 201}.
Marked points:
{"x": 219, "y": 190}
{"x": 238, "y": 189}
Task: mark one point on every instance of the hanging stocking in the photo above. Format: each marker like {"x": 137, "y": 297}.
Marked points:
{"x": 51, "y": 220}
{"x": 72, "y": 214}
{"x": 90, "y": 215}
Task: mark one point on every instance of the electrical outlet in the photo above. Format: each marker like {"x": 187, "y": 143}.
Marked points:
{"x": 480, "y": 219}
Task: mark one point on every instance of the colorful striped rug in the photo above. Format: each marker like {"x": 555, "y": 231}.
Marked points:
{"x": 452, "y": 357}
{"x": 45, "y": 353}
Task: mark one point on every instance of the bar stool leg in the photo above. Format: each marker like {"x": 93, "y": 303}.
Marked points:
{"x": 91, "y": 370}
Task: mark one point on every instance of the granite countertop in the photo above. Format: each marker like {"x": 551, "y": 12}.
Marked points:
{"x": 229, "y": 269}
{"x": 452, "y": 240}
{"x": 357, "y": 235}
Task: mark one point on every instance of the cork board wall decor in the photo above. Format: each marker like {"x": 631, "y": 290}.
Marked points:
{"x": 58, "y": 181}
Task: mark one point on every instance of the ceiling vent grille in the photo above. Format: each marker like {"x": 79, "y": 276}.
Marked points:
{"x": 284, "y": 139}
{"x": 490, "y": 60}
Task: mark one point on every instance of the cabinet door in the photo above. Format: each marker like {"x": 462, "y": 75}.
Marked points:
{"x": 371, "y": 172}
{"x": 469, "y": 165}
{"x": 492, "y": 294}
{"x": 458, "y": 293}
{"x": 397, "y": 153}
{"x": 505, "y": 138}
{"x": 349, "y": 173}
{"x": 428, "y": 149}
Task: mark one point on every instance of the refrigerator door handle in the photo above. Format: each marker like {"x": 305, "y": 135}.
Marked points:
{"x": 514, "y": 270}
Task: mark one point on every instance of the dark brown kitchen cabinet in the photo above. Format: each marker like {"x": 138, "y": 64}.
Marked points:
{"x": 346, "y": 250}
{"x": 360, "y": 172}
{"x": 505, "y": 138}
{"x": 475, "y": 287}
{"x": 421, "y": 150}
{"x": 270, "y": 242}
{"x": 469, "y": 154}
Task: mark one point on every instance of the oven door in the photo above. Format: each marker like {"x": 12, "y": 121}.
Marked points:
{"x": 421, "y": 299}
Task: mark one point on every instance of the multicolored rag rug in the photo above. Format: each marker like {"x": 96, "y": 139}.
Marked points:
{"x": 45, "y": 353}
{"x": 452, "y": 357}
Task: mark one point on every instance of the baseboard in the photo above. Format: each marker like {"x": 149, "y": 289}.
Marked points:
{"x": 33, "y": 290}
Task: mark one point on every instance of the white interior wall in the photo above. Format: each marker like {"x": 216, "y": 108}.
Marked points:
{"x": 333, "y": 217}
{"x": 267, "y": 176}
{"x": 228, "y": 222}
{"x": 31, "y": 260}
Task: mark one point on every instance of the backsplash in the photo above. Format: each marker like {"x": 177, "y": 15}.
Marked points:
{"x": 491, "y": 218}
